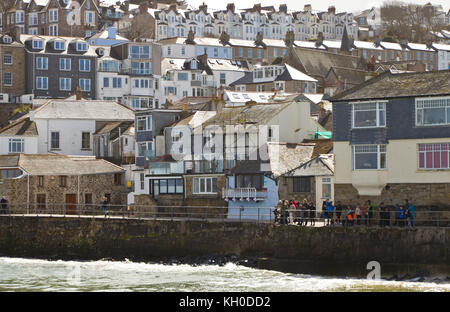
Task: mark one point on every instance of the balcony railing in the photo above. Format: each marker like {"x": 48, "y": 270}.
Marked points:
{"x": 243, "y": 194}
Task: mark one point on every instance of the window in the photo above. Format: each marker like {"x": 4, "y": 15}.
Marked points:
{"x": 249, "y": 53}
{"x": 54, "y": 144}
{"x": 65, "y": 64}
{"x": 255, "y": 181}
{"x": 7, "y": 79}
{"x": 89, "y": 18}
{"x": 53, "y": 30}
{"x": 434, "y": 156}
{"x": 193, "y": 65}
{"x": 42, "y": 63}
{"x": 65, "y": 84}
{"x": 85, "y": 65}
{"x": 85, "y": 140}
{"x": 140, "y": 68}
{"x": 117, "y": 83}
{"x": 301, "y": 184}
{"x": 326, "y": 188}
{"x": 59, "y": 45}
{"x": 143, "y": 147}
{"x": 42, "y": 83}
{"x": 81, "y": 46}
{"x": 367, "y": 115}
{"x": 16, "y": 145}
{"x": 140, "y": 52}
{"x": 33, "y": 19}
{"x": 53, "y": 15}
{"x": 275, "y": 52}
{"x": 205, "y": 185}
{"x": 40, "y": 180}
{"x": 88, "y": 198}
{"x": 85, "y": 85}
{"x": 62, "y": 181}
{"x": 142, "y": 180}
{"x": 144, "y": 123}
{"x": 7, "y": 59}
{"x": 433, "y": 111}
{"x": 240, "y": 52}
{"x": 183, "y": 50}
{"x": 305, "y": 87}
{"x": 105, "y": 82}
{"x": 222, "y": 78}
{"x": 369, "y": 157}
{"x": 118, "y": 178}
{"x": 182, "y": 76}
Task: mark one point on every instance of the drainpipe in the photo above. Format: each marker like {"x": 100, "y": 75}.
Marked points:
{"x": 78, "y": 191}
{"x": 28, "y": 193}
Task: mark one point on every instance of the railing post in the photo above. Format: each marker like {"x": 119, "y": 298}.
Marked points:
{"x": 258, "y": 213}
{"x": 240, "y": 214}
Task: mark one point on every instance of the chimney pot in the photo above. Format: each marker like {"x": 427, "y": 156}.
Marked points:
{"x": 78, "y": 94}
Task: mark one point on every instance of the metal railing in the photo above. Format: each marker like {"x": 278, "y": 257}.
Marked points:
{"x": 236, "y": 213}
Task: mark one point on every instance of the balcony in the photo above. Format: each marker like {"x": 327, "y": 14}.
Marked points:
{"x": 243, "y": 194}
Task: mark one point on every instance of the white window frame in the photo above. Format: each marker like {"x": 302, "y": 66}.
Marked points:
{"x": 83, "y": 88}
{"x": 38, "y": 44}
{"x": 67, "y": 86}
{"x": 433, "y": 102}
{"x": 16, "y": 142}
{"x": 327, "y": 181}
{"x": 4, "y": 80}
{"x": 433, "y": 150}
{"x": 59, "y": 43}
{"x": 380, "y": 107}
{"x": 380, "y": 149}
{"x": 53, "y": 15}
{"x": 44, "y": 61}
{"x": 206, "y": 179}
{"x": 64, "y": 60}
{"x": 7, "y": 56}
{"x": 84, "y": 62}
{"x": 42, "y": 78}
{"x": 82, "y": 44}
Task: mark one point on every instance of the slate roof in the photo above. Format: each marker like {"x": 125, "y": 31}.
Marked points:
{"x": 287, "y": 156}
{"x": 113, "y": 129}
{"x": 322, "y": 146}
{"x": 24, "y": 127}
{"x": 321, "y": 165}
{"x": 318, "y": 63}
{"x": 389, "y": 85}
{"x": 51, "y": 164}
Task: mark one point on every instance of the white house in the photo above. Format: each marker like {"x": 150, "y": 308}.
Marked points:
{"x": 62, "y": 126}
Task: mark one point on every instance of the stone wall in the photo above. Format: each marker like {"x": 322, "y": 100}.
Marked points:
{"x": 146, "y": 240}
{"x": 97, "y": 185}
{"x": 429, "y": 196}
{"x": 286, "y": 187}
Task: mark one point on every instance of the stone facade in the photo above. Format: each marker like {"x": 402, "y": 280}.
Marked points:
{"x": 12, "y": 58}
{"x": 95, "y": 186}
{"x": 286, "y": 187}
{"x": 423, "y": 196}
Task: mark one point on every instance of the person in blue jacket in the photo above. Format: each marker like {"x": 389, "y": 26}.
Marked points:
{"x": 330, "y": 210}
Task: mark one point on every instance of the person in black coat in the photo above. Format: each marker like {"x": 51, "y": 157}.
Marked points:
{"x": 4, "y": 205}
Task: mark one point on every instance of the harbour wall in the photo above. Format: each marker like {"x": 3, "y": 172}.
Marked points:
{"x": 312, "y": 250}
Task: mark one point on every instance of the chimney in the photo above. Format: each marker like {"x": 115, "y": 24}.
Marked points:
{"x": 31, "y": 115}
{"x": 203, "y": 59}
{"x": 307, "y": 8}
{"x": 283, "y": 8}
{"x": 173, "y": 7}
{"x": 203, "y": 8}
{"x": 143, "y": 7}
{"x": 230, "y": 7}
{"x": 332, "y": 9}
{"x": 257, "y": 7}
{"x": 16, "y": 34}
{"x": 78, "y": 94}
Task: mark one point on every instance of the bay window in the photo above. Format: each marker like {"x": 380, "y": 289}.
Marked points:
{"x": 368, "y": 115}
{"x": 371, "y": 156}
{"x": 434, "y": 156}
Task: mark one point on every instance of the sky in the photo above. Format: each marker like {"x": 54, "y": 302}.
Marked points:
{"x": 319, "y": 5}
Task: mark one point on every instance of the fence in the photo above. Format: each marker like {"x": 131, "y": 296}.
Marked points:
{"x": 224, "y": 214}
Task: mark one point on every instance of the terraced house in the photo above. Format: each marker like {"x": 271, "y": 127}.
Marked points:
{"x": 392, "y": 140}
{"x": 74, "y": 18}
{"x": 12, "y": 70}
{"x": 56, "y": 66}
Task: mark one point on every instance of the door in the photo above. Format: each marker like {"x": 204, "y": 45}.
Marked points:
{"x": 71, "y": 203}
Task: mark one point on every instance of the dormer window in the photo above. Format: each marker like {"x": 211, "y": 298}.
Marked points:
{"x": 60, "y": 45}
{"x": 101, "y": 52}
{"x": 7, "y": 39}
{"x": 88, "y": 5}
{"x": 82, "y": 46}
{"x": 193, "y": 65}
{"x": 38, "y": 44}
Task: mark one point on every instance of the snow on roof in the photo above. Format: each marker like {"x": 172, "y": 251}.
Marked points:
{"x": 314, "y": 97}
{"x": 258, "y": 97}
{"x": 419, "y": 46}
{"x": 220, "y": 64}
{"x": 309, "y": 44}
{"x": 366, "y": 45}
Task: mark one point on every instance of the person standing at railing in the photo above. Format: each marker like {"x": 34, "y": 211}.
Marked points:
{"x": 312, "y": 213}
{"x": 370, "y": 211}
{"x": 291, "y": 212}
{"x": 411, "y": 210}
{"x": 338, "y": 212}
{"x": 4, "y": 205}
{"x": 401, "y": 216}
{"x": 330, "y": 211}
{"x": 358, "y": 214}
{"x": 105, "y": 206}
